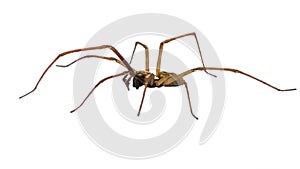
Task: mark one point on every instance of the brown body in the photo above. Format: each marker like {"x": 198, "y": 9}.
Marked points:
{"x": 163, "y": 79}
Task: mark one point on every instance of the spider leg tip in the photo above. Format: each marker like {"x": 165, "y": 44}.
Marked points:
{"x": 21, "y": 97}
{"x": 289, "y": 89}
{"x": 25, "y": 94}
{"x": 60, "y": 66}
{"x": 213, "y": 75}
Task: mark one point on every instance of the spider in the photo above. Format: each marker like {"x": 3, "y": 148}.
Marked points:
{"x": 145, "y": 77}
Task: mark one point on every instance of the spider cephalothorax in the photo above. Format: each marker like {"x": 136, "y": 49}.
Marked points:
{"x": 144, "y": 77}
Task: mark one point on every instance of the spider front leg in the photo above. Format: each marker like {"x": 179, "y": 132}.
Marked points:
{"x": 127, "y": 80}
{"x": 172, "y": 39}
{"x": 101, "y": 81}
{"x": 93, "y": 56}
{"x": 129, "y": 68}
{"x": 146, "y": 54}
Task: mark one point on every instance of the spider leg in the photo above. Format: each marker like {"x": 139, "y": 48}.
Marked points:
{"x": 174, "y": 38}
{"x": 101, "y": 81}
{"x": 142, "y": 101}
{"x": 232, "y": 70}
{"x": 188, "y": 95}
{"x": 146, "y": 54}
{"x": 94, "y": 56}
{"x": 130, "y": 69}
{"x": 178, "y": 80}
{"x": 144, "y": 92}
{"x": 126, "y": 81}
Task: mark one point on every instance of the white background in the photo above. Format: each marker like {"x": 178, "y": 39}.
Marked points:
{"x": 260, "y": 126}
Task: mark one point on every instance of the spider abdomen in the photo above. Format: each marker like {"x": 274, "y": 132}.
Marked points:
{"x": 169, "y": 80}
